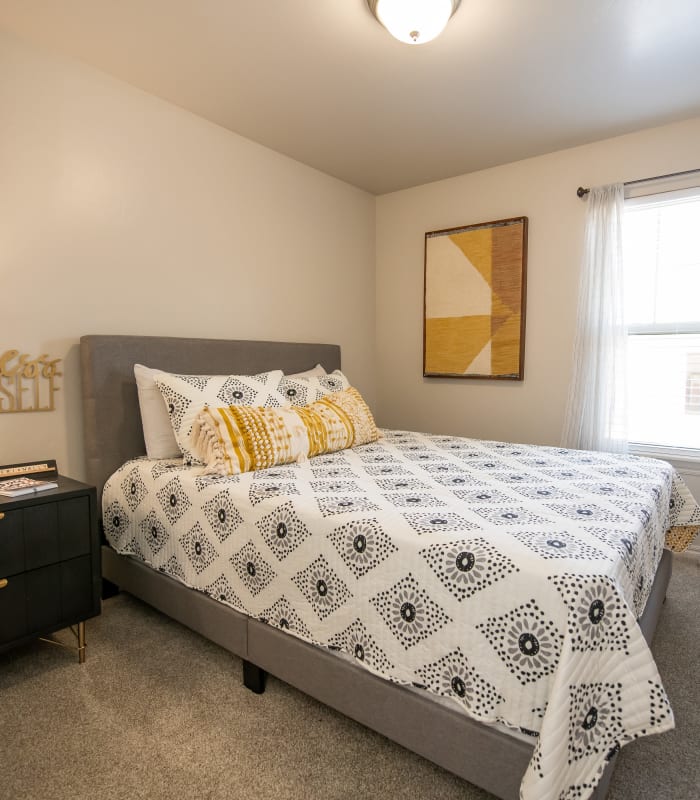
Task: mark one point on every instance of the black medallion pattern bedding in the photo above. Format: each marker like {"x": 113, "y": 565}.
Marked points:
{"x": 505, "y": 578}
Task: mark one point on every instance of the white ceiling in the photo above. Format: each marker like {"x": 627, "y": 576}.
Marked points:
{"x": 323, "y": 82}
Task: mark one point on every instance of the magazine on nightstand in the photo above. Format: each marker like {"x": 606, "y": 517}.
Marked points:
{"x": 14, "y": 487}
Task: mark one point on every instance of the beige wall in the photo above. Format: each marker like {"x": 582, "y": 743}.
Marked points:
{"x": 544, "y": 190}
{"x": 120, "y": 213}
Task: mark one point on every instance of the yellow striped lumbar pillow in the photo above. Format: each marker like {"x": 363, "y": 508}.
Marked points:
{"x": 238, "y": 439}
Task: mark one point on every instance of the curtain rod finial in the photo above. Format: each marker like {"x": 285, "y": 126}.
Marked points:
{"x": 581, "y": 192}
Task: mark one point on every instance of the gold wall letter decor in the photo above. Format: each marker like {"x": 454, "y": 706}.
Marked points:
{"x": 27, "y": 384}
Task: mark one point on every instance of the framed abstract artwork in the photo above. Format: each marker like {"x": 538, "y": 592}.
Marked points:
{"x": 474, "y": 301}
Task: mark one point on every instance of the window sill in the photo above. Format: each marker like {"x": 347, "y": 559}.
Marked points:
{"x": 684, "y": 459}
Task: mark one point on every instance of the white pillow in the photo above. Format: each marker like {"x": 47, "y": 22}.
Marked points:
{"x": 309, "y": 373}
{"x": 186, "y": 395}
{"x": 301, "y": 390}
{"x": 155, "y": 420}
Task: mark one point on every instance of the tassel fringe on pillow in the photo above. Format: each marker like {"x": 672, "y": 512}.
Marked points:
{"x": 236, "y": 439}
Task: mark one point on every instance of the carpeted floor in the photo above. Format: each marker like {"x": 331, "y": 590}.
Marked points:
{"x": 158, "y": 712}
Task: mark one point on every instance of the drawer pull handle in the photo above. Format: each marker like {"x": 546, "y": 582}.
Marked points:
{"x": 3, "y": 583}
{"x": 2, "y": 515}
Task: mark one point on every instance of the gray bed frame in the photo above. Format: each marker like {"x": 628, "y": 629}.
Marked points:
{"x": 483, "y": 755}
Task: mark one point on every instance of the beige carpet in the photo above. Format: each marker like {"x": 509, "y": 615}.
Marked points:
{"x": 158, "y": 712}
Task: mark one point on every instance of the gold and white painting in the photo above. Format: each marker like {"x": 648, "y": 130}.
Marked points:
{"x": 474, "y": 317}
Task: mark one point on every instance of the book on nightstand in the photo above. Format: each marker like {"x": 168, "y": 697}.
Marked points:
{"x": 14, "y": 487}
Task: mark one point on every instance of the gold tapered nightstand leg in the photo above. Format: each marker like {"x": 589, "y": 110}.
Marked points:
{"x": 81, "y": 643}
{"x": 79, "y": 635}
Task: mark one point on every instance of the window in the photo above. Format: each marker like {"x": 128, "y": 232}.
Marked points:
{"x": 661, "y": 241}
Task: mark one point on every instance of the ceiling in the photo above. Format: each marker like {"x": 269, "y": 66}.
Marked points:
{"x": 321, "y": 81}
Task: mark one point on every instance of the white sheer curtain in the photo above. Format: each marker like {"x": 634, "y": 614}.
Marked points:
{"x": 596, "y": 416}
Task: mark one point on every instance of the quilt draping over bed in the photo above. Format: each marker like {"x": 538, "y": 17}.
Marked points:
{"x": 505, "y": 577}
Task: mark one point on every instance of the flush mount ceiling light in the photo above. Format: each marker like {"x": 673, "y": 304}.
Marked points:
{"x": 414, "y": 21}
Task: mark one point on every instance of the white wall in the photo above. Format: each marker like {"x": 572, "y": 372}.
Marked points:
{"x": 544, "y": 190}
{"x": 120, "y": 213}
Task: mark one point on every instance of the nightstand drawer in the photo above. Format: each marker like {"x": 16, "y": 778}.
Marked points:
{"x": 13, "y": 612}
{"x": 44, "y": 534}
{"x": 74, "y": 527}
{"x": 40, "y": 525}
{"x": 76, "y": 588}
{"x": 11, "y": 543}
{"x": 42, "y": 597}
{"x": 46, "y": 598}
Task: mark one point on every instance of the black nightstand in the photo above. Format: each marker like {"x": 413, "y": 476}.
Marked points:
{"x": 50, "y": 575}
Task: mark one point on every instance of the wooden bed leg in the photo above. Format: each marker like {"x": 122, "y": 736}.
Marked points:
{"x": 254, "y": 677}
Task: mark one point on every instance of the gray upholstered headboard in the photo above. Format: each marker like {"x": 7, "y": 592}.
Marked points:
{"x": 112, "y": 420}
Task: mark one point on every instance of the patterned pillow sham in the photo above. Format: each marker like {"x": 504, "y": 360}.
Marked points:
{"x": 158, "y": 433}
{"x": 309, "y": 373}
{"x": 186, "y": 395}
{"x": 300, "y": 390}
{"x": 239, "y": 439}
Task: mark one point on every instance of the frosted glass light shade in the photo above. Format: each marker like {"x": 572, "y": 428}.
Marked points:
{"x": 414, "y": 21}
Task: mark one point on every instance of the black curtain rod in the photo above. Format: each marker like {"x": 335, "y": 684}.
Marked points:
{"x": 581, "y": 192}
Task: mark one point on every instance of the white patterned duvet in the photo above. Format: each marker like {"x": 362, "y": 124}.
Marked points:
{"x": 507, "y": 578}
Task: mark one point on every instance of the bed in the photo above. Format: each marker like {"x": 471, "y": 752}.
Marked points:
{"x": 488, "y": 755}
